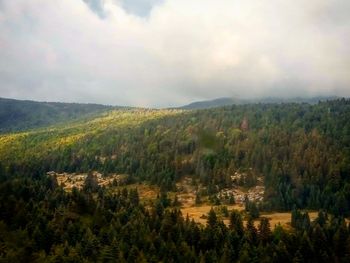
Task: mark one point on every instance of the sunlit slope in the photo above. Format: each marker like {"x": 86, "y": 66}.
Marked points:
{"x": 40, "y": 143}
{"x": 300, "y": 151}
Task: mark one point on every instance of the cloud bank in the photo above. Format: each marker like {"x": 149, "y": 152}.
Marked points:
{"x": 171, "y": 52}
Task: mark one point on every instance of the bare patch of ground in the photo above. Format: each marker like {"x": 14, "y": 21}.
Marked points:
{"x": 255, "y": 193}
{"x": 70, "y": 180}
{"x": 146, "y": 192}
{"x": 199, "y": 213}
{"x": 284, "y": 219}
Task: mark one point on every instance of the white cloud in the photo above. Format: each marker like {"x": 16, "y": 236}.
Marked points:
{"x": 184, "y": 50}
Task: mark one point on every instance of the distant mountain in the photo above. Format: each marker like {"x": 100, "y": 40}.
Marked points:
{"x": 211, "y": 103}
{"x": 220, "y": 102}
{"x": 16, "y": 115}
{"x": 19, "y": 115}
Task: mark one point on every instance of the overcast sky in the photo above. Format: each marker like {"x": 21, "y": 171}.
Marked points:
{"x": 171, "y": 52}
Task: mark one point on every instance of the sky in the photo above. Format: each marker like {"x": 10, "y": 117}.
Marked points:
{"x": 162, "y": 53}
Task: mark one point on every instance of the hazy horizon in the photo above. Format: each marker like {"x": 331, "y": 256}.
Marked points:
{"x": 247, "y": 100}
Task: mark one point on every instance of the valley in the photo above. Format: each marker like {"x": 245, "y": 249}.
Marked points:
{"x": 208, "y": 185}
{"x": 166, "y": 131}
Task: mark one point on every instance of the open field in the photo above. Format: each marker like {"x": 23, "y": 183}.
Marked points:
{"x": 146, "y": 192}
{"x": 198, "y": 214}
{"x": 285, "y": 218}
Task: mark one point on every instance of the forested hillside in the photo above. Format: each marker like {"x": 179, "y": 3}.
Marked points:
{"x": 298, "y": 153}
{"x": 39, "y": 222}
{"x": 226, "y": 101}
{"x": 300, "y": 150}
{"x": 18, "y": 115}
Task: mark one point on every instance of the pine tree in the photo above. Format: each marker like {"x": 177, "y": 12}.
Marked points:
{"x": 340, "y": 239}
{"x": 198, "y": 199}
{"x": 212, "y": 218}
{"x": 264, "y": 230}
{"x": 176, "y": 201}
{"x": 236, "y": 222}
{"x": 106, "y": 255}
{"x": 251, "y": 232}
{"x": 244, "y": 256}
{"x": 134, "y": 197}
{"x": 91, "y": 184}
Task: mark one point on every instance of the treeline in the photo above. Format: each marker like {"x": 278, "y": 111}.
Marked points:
{"x": 301, "y": 151}
{"x": 39, "y": 222}
{"x": 17, "y": 115}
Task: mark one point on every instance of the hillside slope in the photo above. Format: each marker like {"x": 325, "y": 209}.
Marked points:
{"x": 16, "y": 115}
{"x": 301, "y": 151}
{"x": 226, "y": 101}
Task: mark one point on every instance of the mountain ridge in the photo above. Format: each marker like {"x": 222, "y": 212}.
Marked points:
{"x": 227, "y": 101}
{"x": 17, "y": 115}
{"x": 20, "y": 115}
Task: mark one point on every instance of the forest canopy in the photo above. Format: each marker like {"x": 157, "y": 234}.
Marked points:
{"x": 300, "y": 151}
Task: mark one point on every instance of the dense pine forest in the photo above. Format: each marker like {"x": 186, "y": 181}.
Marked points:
{"x": 298, "y": 151}
{"x": 42, "y": 223}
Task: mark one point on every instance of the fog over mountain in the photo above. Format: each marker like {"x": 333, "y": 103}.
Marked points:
{"x": 220, "y": 102}
{"x": 163, "y": 53}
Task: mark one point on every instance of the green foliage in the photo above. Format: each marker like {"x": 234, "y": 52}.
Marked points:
{"x": 18, "y": 115}
{"x": 91, "y": 183}
{"x": 300, "y": 150}
{"x": 301, "y": 220}
{"x": 212, "y": 218}
{"x": 252, "y": 209}
{"x": 39, "y": 222}
{"x": 198, "y": 199}
{"x": 236, "y": 223}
